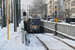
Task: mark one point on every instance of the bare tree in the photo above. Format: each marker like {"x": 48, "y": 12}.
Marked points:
{"x": 38, "y": 6}
{"x": 38, "y": 2}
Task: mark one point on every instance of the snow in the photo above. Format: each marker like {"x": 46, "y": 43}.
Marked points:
{"x": 70, "y": 42}
{"x": 34, "y": 40}
{"x": 52, "y": 43}
{"x": 66, "y": 35}
{"x": 49, "y": 28}
{"x": 61, "y": 32}
{"x": 63, "y": 23}
{"x": 14, "y": 42}
{"x": 14, "y": 39}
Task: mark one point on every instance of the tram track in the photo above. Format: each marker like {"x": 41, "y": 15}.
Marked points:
{"x": 41, "y": 42}
{"x": 48, "y": 46}
{"x": 61, "y": 41}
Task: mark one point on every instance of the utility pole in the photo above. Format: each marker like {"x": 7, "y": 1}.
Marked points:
{"x": 4, "y": 22}
{"x": 17, "y": 12}
{"x": 59, "y": 10}
{"x": 1, "y": 17}
{"x": 55, "y": 20}
{"x": 11, "y": 11}
{"x": 27, "y": 12}
{"x": 69, "y": 13}
{"x": 7, "y": 20}
{"x": 41, "y": 12}
{"x": 15, "y": 23}
{"x": 6, "y": 8}
{"x": 20, "y": 9}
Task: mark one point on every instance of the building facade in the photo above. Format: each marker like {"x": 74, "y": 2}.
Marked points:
{"x": 59, "y": 5}
{"x": 51, "y": 7}
{"x": 66, "y": 8}
{"x": 69, "y": 8}
{"x": 73, "y": 7}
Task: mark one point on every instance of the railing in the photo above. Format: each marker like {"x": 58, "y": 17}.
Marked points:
{"x": 73, "y": 3}
{"x": 68, "y": 29}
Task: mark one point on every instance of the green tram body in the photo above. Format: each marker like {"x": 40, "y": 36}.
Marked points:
{"x": 33, "y": 25}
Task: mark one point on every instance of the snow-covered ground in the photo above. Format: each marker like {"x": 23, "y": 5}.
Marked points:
{"x": 14, "y": 42}
{"x": 64, "y": 23}
{"x": 70, "y": 42}
{"x": 52, "y": 43}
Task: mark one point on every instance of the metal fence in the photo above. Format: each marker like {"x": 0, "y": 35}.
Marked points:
{"x": 63, "y": 28}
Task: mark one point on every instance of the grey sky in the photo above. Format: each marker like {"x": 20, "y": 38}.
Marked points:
{"x": 25, "y": 2}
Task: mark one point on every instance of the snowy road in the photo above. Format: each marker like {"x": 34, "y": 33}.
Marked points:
{"x": 52, "y": 43}
{"x": 15, "y": 43}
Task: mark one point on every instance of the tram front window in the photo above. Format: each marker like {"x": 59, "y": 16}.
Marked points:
{"x": 35, "y": 22}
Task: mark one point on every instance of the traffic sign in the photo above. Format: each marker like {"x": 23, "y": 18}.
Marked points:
{"x": 55, "y": 20}
{"x": 24, "y": 13}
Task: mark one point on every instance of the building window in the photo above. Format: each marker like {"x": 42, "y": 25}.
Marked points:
{"x": 68, "y": 5}
{"x": 63, "y": 0}
{"x": 65, "y": 6}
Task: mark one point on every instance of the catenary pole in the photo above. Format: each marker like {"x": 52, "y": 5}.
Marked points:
{"x": 11, "y": 11}
{"x": 7, "y": 21}
{"x": 1, "y": 17}
{"x": 4, "y": 22}
{"x": 17, "y": 12}
{"x": 15, "y": 23}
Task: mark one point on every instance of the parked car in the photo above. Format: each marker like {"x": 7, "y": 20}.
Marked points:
{"x": 59, "y": 21}
{"x": 68, "y": 20}
{"x": 51, "y": 20}
{"x": 48, "y": 18}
